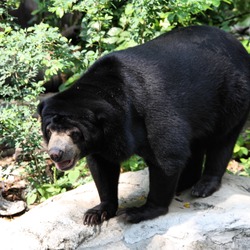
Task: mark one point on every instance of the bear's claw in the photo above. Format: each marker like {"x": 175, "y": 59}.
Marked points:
{"x": 92, "y": 218}
{"x": 206, "y": 186}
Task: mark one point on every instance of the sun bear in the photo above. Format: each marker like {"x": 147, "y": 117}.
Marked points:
{"x": 179, "y": 101}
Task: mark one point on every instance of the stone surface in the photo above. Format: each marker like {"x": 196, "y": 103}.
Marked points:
{"x": 221, "y": 221}
{"x": 9, "y": 208}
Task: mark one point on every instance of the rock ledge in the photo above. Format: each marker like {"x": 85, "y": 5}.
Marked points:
{"x": 221, "y": 221}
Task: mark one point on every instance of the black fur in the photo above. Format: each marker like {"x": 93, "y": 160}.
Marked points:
{"x": 173, "y": 100}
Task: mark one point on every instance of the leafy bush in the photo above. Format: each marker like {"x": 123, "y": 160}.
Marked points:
{"x": 60, "y": 183}
{"x": 23, "y": 52}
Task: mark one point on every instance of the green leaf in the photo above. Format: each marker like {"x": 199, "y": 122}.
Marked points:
{"x": 246, "y": 44}
{"x": 31, "y": 198}
{"x": 111, "y": 40}
{"x": 41, "y": 190}
{"x": 244, "y": 150}
{"x": 216, "y": 3}
{"x": 54, "y": 190}
{"x": 73, "y": 175}
{"x": 237, "y": 148}
{"x": 114, "y": 31}
{"x": 59, "y": 12}
{"x": 129, "y": 9}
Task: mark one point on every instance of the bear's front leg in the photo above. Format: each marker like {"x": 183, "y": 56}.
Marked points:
{"x": 161, "y": 192}
{"x": 106, "y": 176}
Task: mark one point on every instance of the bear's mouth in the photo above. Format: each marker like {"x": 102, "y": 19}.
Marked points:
{"x": 66, "y": 164}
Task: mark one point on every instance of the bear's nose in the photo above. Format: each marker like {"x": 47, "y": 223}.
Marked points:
{"x": 55, "y": 154}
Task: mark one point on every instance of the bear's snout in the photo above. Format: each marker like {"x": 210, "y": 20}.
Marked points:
{"x": 62, "y": 150}
{"x": 55, "y": 154}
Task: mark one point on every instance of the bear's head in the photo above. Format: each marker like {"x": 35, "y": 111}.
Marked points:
{"x": 70, "y": 134}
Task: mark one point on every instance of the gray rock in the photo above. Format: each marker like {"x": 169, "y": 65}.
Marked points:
{"x": 221, "y": 221}
{"x": 9, "y": 208}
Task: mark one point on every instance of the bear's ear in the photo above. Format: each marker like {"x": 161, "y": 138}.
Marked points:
{"x": 40, "y": 107}
{"x": 102, "y": 118}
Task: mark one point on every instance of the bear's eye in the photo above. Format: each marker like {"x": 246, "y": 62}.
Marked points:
{"x": 48, "y": 132}
{"x": 76, "y": 136}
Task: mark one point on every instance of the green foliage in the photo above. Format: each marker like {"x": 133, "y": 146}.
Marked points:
{"x": 240, "y": 148}
{"x": 4, "y": 5}
{"x": 23, "y": 53}
{"x": 115, "y": 25}
{"x": 59, "y": 184}
{"x": 241, "y": 152}
{"x": 246, "y": 43}
{"x": 135, "y": 163}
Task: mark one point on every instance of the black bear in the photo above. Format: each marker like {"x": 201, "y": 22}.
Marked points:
{"x": 179, "y": 101}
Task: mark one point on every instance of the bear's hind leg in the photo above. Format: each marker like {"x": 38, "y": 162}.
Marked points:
{"x": 191, "y": 174}
{"x": 218, "y": 155}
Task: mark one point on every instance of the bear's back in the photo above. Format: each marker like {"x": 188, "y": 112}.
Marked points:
{"x": 197, "y": 70}
{"x": 193, "y": 44}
